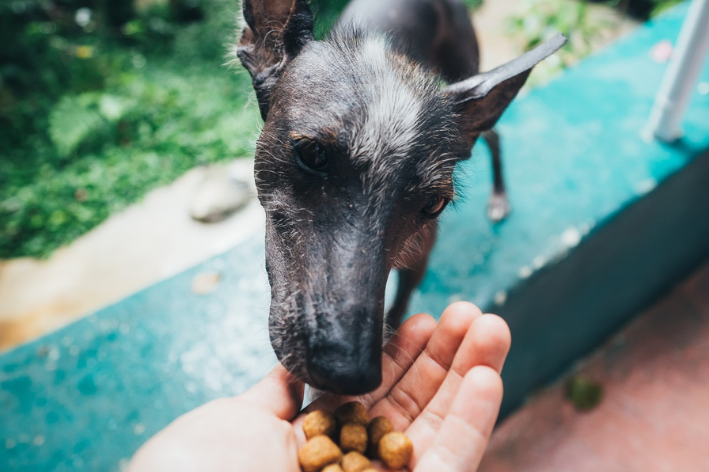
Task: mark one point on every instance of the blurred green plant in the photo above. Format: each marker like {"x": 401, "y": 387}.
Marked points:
{"x": 583, "y": 393}
{"x": 94, "y": 113}
{"x": 538, "y": 20}
{"x": 72, "y": 120}
{"x": 642, "y": 9}
{"x": 107, "y": 149}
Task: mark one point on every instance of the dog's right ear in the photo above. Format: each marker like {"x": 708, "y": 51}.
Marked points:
{"x": 274, "y": 33}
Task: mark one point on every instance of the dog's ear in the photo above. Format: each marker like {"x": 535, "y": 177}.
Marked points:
{"x": 274, "y": 33}
{"x": 481, "y": 99}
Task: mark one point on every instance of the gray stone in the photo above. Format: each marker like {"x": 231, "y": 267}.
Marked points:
{"x": 224, "y": 190}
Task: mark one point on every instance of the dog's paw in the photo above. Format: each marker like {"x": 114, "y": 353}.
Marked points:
{"x": 498, "y": 208}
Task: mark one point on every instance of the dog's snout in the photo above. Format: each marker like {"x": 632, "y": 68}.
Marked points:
{"x": 329, "y": 333}
{"x": 346, "y": 375}
{"x": 344, "y": 355}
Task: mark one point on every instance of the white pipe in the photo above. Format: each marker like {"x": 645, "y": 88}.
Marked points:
{"x": 678, "y": 82}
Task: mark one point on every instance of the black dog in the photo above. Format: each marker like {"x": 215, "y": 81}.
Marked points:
{"x": 355, "y": 163}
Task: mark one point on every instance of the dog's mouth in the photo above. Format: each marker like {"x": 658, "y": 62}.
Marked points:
{"x": 337, "y": 381}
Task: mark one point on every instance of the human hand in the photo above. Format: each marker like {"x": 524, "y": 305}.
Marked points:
{"x": 441, "y": 386}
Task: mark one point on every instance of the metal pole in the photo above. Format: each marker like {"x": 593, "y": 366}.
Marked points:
{"x": 681, "y": 75}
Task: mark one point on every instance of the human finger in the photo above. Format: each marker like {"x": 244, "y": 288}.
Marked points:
{"x": 405, "y": 401}
{"x": 279, "y": 393}
{"x": 466, "y": 429}
{"x": 486, "y": 343}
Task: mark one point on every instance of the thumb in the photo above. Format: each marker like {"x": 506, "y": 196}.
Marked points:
{"x": 279, "y": 393}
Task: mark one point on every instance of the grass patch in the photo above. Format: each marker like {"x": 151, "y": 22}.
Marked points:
{"x": 142, "y": 132}
{"x": 111, "y": 116}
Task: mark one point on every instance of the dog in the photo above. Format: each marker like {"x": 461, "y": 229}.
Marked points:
{"x": 362, "y": 131}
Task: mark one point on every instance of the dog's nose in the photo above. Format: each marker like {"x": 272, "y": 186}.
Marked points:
{"x": 345, "y": 376}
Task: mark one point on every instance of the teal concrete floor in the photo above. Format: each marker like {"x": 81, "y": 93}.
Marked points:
{"x": 85, "y": 397}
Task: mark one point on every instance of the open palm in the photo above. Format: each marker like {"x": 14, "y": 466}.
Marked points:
{"x": 441, "y": 386}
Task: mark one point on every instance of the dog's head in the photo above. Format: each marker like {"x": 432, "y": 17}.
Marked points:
{"x": 354, "y": 162}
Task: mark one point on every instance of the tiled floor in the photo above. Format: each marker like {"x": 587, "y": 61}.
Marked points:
{"x": 654, "y": 415}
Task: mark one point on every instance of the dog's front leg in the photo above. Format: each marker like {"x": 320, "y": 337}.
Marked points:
{"x": 499, "y": 207}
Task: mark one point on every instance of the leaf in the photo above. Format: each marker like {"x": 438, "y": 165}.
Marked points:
{"x": 71, "y": 121}
{"x": 111, "y": 107}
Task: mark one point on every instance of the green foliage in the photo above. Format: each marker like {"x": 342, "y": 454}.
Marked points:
{"x": 642, "y": 9}
{"x": 583, "y": 393}
{"x": 93, "y": 117}
{"x": 473, "y": 4}
{"x": 541, "y": 19}
{"x": 147, "y": 131}
{"x": 72, "y": 120}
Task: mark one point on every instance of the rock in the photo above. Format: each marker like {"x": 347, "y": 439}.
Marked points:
{"x": 223, "y": 191}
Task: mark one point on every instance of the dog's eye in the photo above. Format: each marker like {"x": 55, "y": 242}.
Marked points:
{"x": 435, "y": 206}
{"x": 311, "y": 157}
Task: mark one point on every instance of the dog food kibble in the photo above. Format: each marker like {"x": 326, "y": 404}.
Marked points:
{"x": 395, "y": 450}
{"x": 353, "y": 437}
{"x": 317, "y": 453}
{"x": 356, "y": 434}
{"x": 352, "y": 412}
{"x": 377, "y": 428}
{"x": 355, "y": 462}
{"x": 332, "y": 468}
{"x": 319, "y": 422}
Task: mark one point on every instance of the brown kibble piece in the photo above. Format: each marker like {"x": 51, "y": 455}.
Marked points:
{"x": 377, "y": 428}
{"x": 395, "y": 450}
{"x": 353, "y": 437}
{"x": 319, "y": 422}
{"x": 355, "y": 462}
{"x": 332, "y": 468}
{"x": 317, "y": 453}
{"x": 352, "y": 412}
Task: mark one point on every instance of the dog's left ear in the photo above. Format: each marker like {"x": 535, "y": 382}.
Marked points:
{"x": 275, "y": 32}
{"x": 481, "y": 99}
